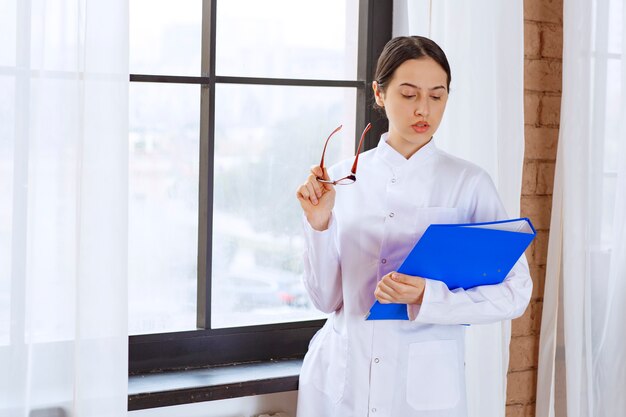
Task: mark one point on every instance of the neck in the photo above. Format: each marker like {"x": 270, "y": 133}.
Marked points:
{"x": 404, "y": 147}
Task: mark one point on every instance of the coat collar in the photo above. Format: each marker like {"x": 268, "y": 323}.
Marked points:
{"x": 394, "y": 158}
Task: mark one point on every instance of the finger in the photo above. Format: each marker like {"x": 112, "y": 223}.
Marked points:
{"x": 398, "y": 280}
{"x": 312, "y": 193}
{"x": 327, "y": 186}
{"x": 323, "y": 174}
{"x": 396, "y": 287}
{"x": 313, "y": 179}
{"x": 383, "y": 297}
{"x": 402, "y": 278}
{"x": 410, "y": 291}
{"x": 384, "y": 287}
{"x": 385, "y": 293}
{"x": 317, "y": 171}
{"x": 317, "y": 186}
{"x": 302, "y": 193}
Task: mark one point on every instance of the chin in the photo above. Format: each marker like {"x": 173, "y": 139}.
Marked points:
{"x": 419, "y": 138}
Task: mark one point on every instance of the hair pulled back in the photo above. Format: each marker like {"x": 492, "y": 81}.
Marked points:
{"x": 401, "y": 49}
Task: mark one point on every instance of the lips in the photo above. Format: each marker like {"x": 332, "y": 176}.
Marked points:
{"x": 420, "y": 127}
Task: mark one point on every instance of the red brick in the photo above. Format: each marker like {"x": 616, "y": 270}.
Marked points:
{"x": 520, "y": 410}
{"x": 529, "y": 178}
{"x": 521, "y": 387}
{"x": 544, "y": 10}
{"x": 545, "y": 177}
{"x": 539, "y": 249}
{"x": 536, "y": 314}
{"x": 524, "y": 351}
{"x": 550, "y": 110}
{"x": 515, "y": 410}
{"x": 552, "y": 41}
{"x": 538, "y": 274}
{"x": 529, "y": 324}
{"x": 531, "y": 107}
{"x": 543, "y": 75}
{"x": 538, "y": 209}
{"x": 523, "y": 326}
{"x": 532, "y": 40}
{"x": 541, "y": 142}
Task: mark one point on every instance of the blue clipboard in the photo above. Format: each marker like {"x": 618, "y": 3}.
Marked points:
{"x": 462, "y": 256}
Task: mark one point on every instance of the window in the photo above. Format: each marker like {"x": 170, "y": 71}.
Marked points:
{"x": 230, "y": 103}
{"x": 606, "y": 92}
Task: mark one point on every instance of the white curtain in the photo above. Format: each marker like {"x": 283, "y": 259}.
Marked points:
{"x": 582, "y": 358}
{"x": 484, "y": 123}
{"x": 63, "y": 207}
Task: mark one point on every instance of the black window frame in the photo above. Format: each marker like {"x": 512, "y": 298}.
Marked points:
{"x": 205, "y": 347}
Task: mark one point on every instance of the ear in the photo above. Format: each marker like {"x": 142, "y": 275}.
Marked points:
{"x": 378, "y": 94}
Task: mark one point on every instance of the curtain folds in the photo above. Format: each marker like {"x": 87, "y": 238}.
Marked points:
{"x": 582, "y": 360}
{"x": 484, "y": 123}
{"x": 63, "y": 212}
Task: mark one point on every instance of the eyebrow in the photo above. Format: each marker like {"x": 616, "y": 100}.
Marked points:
{"x": 439, "y": 87}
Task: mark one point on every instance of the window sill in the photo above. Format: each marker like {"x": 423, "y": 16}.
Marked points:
{"x": 216, "y": 383}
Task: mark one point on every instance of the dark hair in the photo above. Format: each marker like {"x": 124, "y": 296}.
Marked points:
{"x": 403, "y": 48}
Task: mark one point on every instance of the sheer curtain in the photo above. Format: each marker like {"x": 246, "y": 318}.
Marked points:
{"x": 63, "y": 210}
{"x": 582, "y": 358}
{"x": 484, "y": 123}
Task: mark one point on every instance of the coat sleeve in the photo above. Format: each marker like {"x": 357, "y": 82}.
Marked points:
{"x": 322, "y": 268}
{"x": 482, "y": 304}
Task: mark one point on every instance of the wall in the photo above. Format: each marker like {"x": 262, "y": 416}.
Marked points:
{"x": 543, "y": 43}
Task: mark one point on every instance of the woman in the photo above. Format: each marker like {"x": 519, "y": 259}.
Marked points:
{"x": 357, "y": 235}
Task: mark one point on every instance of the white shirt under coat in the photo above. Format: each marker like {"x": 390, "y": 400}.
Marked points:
{"x": 395, "y": 368}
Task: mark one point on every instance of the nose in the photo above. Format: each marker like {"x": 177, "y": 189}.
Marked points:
{"x": 422, "y": 107}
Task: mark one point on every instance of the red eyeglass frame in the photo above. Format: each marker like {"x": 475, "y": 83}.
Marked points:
{"x": 349, "y": 179}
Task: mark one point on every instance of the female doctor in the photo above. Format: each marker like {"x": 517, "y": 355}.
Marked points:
{"x": 357, "y": 236}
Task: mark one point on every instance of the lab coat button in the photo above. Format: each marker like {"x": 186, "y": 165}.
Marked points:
{"x": 376, "y": 360}
{"x": 391, "y": 214}
{"x": 373, "y": 410}
{"x": 384, "y": 261}
{"x": 393, "y": 180}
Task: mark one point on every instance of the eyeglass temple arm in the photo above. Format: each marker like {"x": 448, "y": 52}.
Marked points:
{"x": 358, "y": 151}
{"x": 326, "y": 144}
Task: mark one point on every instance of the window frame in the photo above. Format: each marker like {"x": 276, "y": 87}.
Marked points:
{"x": 204, "y": 347}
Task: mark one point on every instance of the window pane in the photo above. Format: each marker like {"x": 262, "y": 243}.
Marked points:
{"x": 7, "y": 135}
{"x": 266, "y": 139}
{"x": 163, "y": 207}
{"x": 613, "y": 114}
{"x": 8, "y": 19}
{"x": 615, "y": 26}
{"x": 165, "y": 37}
{"x": 609, "y": 189}
{"x": 287, "y": 39}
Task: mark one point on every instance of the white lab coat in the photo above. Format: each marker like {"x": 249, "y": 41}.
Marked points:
{"x": 396, "y": 368}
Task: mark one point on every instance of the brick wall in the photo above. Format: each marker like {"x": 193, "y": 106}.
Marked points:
{"x": 543, "y": 43}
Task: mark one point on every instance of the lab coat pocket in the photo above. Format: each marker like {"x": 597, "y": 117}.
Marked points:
{"x": 325, "y": 363}
{"x": 433, "y": 375}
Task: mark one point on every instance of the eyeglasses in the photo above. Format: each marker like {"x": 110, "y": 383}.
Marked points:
{"x": 352, "y": 177}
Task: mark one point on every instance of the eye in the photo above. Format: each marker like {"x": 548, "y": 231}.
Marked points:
{"x": 436, "y": 98}
{"x": 408, "y": 96}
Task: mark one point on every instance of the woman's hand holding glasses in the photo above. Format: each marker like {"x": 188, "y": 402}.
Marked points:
{"x": 317, "y": 199}
{"x": 317, "y": 194}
